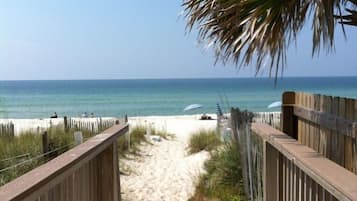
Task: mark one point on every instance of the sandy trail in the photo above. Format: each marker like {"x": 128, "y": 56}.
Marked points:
{"x": 165, "y": 171}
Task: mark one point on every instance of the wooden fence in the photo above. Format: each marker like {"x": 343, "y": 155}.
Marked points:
{"x": 90, "y": 171}
{"x": 295, "y": 164}
{"x": 326, "y": 124}
{"x": 270, "y": 118}
{"x": 91, "y": 125}
{"x": 7, "y": 130}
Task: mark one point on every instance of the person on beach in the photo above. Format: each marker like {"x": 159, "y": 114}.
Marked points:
{"x": 54, "y": 115}
{"x": 85, "y": 114}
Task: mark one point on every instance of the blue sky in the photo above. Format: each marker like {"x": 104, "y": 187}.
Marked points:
{"x": 90, "y": 39}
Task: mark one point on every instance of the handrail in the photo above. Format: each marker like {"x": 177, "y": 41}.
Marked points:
{"x": 335, "y": 179}
{"x": 41, "y": 179}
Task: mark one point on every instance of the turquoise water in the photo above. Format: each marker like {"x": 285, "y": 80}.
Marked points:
{"x": 39, "y": 99}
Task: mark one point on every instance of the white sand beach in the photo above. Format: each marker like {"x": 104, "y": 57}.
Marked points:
{"x": 165, "y": 171}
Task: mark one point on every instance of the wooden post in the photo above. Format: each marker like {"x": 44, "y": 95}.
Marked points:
{"x": 288, "y": 120}
{"x": 44, "y": 142}
{"x": 65, "y": 123}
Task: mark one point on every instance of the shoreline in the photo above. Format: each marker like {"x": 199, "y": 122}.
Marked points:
{"x": 158, "y": 121}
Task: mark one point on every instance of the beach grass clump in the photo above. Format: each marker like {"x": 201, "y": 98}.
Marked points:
{"x": 22, "y": 153}
{"x": 137, "y": 136}
{"x": 16, "y": 154}
{"x": 203, "y": 139}
{"x": 222, "y": 180}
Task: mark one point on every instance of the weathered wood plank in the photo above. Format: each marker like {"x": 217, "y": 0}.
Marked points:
{"x": 341, "y": 138}
{"x": 348, "y": 140}
{"x": 316, "y": 126}
{"x": 311, "y": 126}
{"x": 271, "y": 175}
{"x": 307, "y": 125}
{"x": 324, "y": 131}
{"x": 281, "y": 177}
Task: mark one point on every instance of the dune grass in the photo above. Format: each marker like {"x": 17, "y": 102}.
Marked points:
{"x": 137, "y": 137}
{"x": 222, "y": 180}
{"x": 22, "y": 153}
{"x": 203, "y": 139}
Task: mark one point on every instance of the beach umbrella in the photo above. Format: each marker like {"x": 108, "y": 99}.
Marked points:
{"x": 275, "y": 104}
{"x": 192, "y": 107}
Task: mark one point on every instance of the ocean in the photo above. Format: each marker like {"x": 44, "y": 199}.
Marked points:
{"x": 39, "y": 99}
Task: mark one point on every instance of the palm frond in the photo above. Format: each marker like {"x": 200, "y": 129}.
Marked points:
{"x": 253, "y": 31}
{"x": 351, "y": 17}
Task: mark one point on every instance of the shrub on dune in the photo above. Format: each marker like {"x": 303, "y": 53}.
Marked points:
{"x": 206, "y": 140}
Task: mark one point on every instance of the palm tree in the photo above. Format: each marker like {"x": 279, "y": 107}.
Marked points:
{"x": 257, "y": 31}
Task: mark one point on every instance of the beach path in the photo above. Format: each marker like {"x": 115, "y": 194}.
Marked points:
{"x": 165, "y": 171}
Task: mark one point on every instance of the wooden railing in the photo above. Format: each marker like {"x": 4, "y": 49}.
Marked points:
{"x": 292, "y": 171}
{"x": 90, "y": 171}
{"x": 326, "y": 124}
{"x": 314, "y": 157}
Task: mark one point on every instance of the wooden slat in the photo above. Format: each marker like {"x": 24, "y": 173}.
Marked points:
{"x": 271, "y": 173}
{"x": 332, "y": 177}
{"x": 307, "y": 126}
{"x": 281, "y": 177}
{"x": 316, "y": 126}
{"x": 301, "y": 185}
{"x": 324, "y": 132}
{"x": 311, "y": 127}
{"x": 341, "y": 138}
{"x": 348, "y": 152}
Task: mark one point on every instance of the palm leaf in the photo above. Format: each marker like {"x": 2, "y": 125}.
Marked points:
{"x": 255, "y": 31}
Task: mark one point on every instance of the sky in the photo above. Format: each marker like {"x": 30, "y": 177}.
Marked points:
{"x": 116, "y": 39}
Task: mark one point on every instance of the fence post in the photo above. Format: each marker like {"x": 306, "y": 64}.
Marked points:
{"x": 65, "y": 123}
{"x": 288, "y": 120}
{"x": 44, "y": 142}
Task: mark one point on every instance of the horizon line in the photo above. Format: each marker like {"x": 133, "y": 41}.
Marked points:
{"x": 181, "y": 78}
